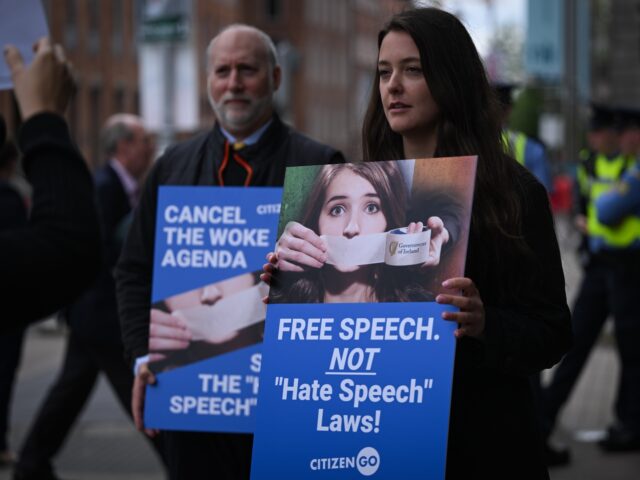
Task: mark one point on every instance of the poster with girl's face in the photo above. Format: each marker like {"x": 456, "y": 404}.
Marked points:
{"x": 373, "y": 232}
{"x": 358, "y": 355}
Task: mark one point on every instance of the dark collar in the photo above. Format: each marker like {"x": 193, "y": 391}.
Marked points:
{"x": 270, "y": 140}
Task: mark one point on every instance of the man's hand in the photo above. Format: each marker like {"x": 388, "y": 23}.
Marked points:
{"x": 44, "y": 86}
{"x": 143, "y": 378}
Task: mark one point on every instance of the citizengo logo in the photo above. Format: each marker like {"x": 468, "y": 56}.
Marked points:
{"x": 367, "y": 462}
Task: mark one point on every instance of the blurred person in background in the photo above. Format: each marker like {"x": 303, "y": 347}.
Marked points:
{"x": 61, "y": 236}
{"x": 618, "y": 210}
{"x": 248, "y": 146}
{"x": 527, "y": 151}
{"x": 94, "y": 344}
{"x": 609, "y": 286}
{"x": 13, "y": 214}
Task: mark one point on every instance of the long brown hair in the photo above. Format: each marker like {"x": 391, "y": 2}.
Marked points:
{"x": 469, "y": 122}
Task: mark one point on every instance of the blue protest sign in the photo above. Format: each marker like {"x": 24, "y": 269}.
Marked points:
{"x": 207, "y": 317}
{"x": 341, "y": 380}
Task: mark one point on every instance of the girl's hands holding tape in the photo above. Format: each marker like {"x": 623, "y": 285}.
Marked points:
{"x": 439, "y": 238}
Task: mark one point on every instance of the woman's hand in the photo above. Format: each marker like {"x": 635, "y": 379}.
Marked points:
{"x": 269, "y": 268}
{"x": 167, "y": 332}
{"x": 470, "y": 318}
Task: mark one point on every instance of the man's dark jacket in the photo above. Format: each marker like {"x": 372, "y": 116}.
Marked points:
{"x": 94, "y": 316}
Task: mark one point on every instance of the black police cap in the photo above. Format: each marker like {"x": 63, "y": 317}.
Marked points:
{"x": 504, "y": 92}
{"x": 602, "y": 117}
{"x": 628, "y": 118}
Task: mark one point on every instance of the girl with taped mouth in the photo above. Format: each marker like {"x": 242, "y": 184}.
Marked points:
{"x": 352, "y": 200}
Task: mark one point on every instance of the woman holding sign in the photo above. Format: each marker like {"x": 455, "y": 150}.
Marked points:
{"x": 434, "y": 100}
{"x": 337, "y": 252}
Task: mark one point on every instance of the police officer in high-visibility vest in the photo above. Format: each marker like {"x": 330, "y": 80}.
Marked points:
{"x": 526, "y": 150}
{"x": 610, "y": 285}
{"x": 618, "y": 211}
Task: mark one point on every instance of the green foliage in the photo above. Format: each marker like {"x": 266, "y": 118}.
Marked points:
{"x": 297, "y": 186}
{"x": 526, "y": 111}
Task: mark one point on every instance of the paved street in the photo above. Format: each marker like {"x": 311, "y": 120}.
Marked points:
{"x": 104, "y": 444}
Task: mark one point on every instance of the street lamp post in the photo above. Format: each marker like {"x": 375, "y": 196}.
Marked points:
{"x": 570, "y": 82}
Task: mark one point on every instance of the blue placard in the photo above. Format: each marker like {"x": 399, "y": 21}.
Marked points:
{"x": 207, "y": 237}
{"x": 354, "y": 389}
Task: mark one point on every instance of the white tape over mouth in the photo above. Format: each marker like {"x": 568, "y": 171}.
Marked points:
{"x": 221, "y": 321}
{"x": 395, "y": 247}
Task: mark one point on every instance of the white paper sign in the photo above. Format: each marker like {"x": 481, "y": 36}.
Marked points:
{"x": 22, "y": 23}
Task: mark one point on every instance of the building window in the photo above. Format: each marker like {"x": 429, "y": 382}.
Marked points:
{"x": 136, "y": 102}
{"x": 93, "y": 7}
{"x": 311, "y": 11}
{"x": 273, "y": 9}
{"x": 96, "y": 119}
{"x": 117, "y": 19}
{"x": 70, "y": 30}
{"x": 46, "y": 5}
{"x": 119, "y": 100}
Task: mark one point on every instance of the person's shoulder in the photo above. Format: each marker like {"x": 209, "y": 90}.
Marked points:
{"x": 179, "y": 158}
{"x": 108, "y": 185}
{"x": 530, "y": 191}
{"x": 104, "y": 175}
{"x": 311, "y": 152}
{"x": 182, "y": 152}
{"x": 535, "y": 146}
{"x": 524, "y": 182}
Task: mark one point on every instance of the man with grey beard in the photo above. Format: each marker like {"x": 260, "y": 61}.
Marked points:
{"x": 248, "y": 146}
